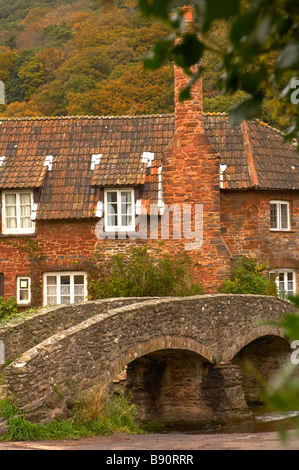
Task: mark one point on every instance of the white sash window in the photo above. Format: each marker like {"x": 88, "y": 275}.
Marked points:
{"x": 23, "y": 290}
{"x": 17, "y": 212}
{"x": 65, "y": 288}
{"x": 119, "y": 210}
{"x": 279, "y": 215}
{"x": 286, "y": 282}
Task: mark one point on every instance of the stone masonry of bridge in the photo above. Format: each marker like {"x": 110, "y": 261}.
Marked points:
{"x": 45, "y": 380}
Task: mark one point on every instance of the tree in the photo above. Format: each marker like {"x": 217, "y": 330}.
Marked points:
{"x": 261, "y": 60}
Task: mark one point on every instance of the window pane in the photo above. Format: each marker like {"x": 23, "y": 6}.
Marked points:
{"x": 24, "y": 295}
{"x": 51, "y": 300}
{"x": 273, "y": 216}
{"x": 79, "y": 279}
{"x": 51, "y": 280}
{"x": 11, "y": 222}
{"x": 51, "y": 292}
{"x": 112, "y": 208}
{"x": 23, "y": 283}
{"x": 65, "y": 290}
{"x": 126, "y": 208}
{"x": 25, "y": 210}
{"x": 126, "y": 196}
{"x": 25, "y": 199}
{"x": 10, "y": 199}
{"x": 79, "y": 288}
{"x": 65, "y": 280}
{"x": 112, "y": 220}
{"x": 112, "y": 196}
{"x": 284, "y": 215}
{"x": 11, "y": 210}
{"x": 126, "y": 220}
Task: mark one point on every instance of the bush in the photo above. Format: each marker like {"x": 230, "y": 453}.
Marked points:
{"x": 143, "y": 275}
{"x": 8, "y": 308}
{"x": 249, "y": 277}
{"x": 95, "y": 414}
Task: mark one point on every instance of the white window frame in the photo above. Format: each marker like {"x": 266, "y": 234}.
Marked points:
{"x": 18, "y": 229}
{"x": 285, "y": 272}
{"x": 19, "y": 288}
{"x": 119, "y": 227}
{"x": 58, "y": 275}
{"x": 278, "y": 204}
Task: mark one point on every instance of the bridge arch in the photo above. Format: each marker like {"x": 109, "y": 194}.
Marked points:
{"x": 161, "y": 343}
{"x": 255, "y": 333}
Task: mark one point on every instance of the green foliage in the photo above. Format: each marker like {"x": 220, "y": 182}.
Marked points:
{"x": 95, "y": 414}
{"x": 58, "y": 34}
{"x": 67, "y": 57}
{"x": 282, "y": 391}
{"x": 8, "y": 307}
{"x": 105, "y": 415}
{"x": 261, "y": 58}
{"x": 143, "y": 274}
{"x": 249, "y": 277}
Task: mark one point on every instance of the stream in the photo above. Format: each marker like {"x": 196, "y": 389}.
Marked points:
{"x": 264, "y": 421}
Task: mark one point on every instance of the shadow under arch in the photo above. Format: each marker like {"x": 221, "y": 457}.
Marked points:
{"x": 261, "y": 356}
{"x": 164, "y": 377}
{"x": 256, "y": 333}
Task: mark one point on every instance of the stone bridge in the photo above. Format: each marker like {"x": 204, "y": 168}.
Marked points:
{"x": 182, "y": 355}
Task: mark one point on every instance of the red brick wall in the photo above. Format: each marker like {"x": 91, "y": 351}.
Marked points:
{"x": 245, "y": 221}
{"x": 191, "y": 176}
{"x": 58, "y": 246}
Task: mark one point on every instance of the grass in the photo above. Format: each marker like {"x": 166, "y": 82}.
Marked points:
{"x": 94, "y": 414}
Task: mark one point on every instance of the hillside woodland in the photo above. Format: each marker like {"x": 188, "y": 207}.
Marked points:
{"x": 70, "y": 57}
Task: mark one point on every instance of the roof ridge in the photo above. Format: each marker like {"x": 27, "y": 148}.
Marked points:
{"x": 95, "y": 116}
{"x": 70, "y": 117}
{"x": 249, "y": 154}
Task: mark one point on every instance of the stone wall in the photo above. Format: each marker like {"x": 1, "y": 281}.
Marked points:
{"x": 31, "y": 330}
{"x": 46, "y": 379}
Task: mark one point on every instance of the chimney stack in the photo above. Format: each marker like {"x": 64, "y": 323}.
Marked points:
{"x": 188, "y": 113}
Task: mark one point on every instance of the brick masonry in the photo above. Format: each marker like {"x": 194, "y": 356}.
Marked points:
{"x": 245, "y": 217}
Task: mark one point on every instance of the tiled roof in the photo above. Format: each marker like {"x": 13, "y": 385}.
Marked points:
{"x": 254, "y": 153}
{"x": 69, "y": 188}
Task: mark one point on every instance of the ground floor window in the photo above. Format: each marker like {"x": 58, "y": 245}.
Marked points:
{"x": 65, "y": 288}
{"x": 23, "y": 290}
{"x": 286, "y": 282}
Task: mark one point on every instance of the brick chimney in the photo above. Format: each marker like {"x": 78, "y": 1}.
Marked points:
{"x": 188, "y": 113}
{"x": 191, "y": 177}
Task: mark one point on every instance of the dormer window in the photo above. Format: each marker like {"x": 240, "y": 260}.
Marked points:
{"x": 16, "y": 212}
{"x": 119, "y": 210}
{"x": 279, "y": 215}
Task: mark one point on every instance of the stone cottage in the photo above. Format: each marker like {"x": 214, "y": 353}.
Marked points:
{"x": 71, "y": 184}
